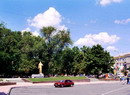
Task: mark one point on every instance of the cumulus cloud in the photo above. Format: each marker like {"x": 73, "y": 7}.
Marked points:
{"x": 35, "y": 33}
{"x": 93, "y": 39}
{"x": 111, "y": 48}
{"x": 51, "y": 17}
{"x": 107, "y": 2}
{"x": 122, "y": 21}
{"x": 27, "y": 29}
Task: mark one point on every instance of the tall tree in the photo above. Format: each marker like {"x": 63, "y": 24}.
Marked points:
{"x": 67, "y": 61}
{"x": 55, "y": 42}
{"x": 101, "y": 61}
{"x": 81, "y": 60}
{"x": 27, "y": 48}
{"x": 9, "y": 51}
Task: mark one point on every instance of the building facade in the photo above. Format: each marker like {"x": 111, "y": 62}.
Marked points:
{"x": 122, "y": 62}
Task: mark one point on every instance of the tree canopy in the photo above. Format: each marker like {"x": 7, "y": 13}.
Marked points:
{"x": 20, "y": 53}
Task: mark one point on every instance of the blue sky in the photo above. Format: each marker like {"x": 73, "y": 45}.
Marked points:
{"x": 105, "y": 22}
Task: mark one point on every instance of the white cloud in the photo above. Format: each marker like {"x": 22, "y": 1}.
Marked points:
{"x": 93, "y": 39}
{"x": 122, "y": 21}
{"x": 27, "y": 29}
{"x": 111, "y": 48}
{"x": 51, "y": 17}
{"x": 106, "y": 2}
{"x": 35, "y": 33}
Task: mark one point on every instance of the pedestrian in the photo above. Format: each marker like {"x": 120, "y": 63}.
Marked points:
{"x": 127, "y": 79}
{"x": 123, "y": 80}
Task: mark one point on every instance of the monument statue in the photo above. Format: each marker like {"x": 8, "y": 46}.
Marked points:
{"x": 40, "y": 67}
{"x": 40, "y": 75}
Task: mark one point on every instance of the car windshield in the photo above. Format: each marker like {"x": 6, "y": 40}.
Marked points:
{"x": 61, "y": 80}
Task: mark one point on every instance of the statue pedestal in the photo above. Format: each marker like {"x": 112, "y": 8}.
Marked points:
{"x": 37, "y": 75}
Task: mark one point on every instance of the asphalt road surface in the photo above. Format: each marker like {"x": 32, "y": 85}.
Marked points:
{"x": 84, "y": 89}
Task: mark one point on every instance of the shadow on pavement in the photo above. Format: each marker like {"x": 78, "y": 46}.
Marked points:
{"x": 2, "y": 93}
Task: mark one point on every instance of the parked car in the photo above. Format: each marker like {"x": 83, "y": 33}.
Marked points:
{"x": 64, "y": 83}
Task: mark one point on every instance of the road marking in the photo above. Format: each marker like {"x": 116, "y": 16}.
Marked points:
{"x": 114, "y": 90}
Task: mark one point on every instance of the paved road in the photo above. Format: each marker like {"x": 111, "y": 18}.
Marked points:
{"x": 79, "y": 89}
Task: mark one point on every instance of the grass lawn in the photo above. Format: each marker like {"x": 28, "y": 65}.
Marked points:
{"x": 55, "y": 79}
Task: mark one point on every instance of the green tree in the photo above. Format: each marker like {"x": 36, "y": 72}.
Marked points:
{"x": 81, "y": 59}
{"x": 29, "y": 57}
{"x": 55, "y": 43}
{"x": 20, "y": 54}
{"x": 9, "y": 51}
{"x": 67, "y": 61}
{"x": 101, "y": 61}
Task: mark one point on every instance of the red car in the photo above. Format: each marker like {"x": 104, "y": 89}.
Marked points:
{"x": 63, "y": 83}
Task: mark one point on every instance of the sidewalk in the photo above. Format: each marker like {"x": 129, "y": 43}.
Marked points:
{"x": 6, "y": 89}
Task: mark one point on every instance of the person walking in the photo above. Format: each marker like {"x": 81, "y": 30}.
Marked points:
{"x": 123, "y": 80}
{"x": 127, "y": 79}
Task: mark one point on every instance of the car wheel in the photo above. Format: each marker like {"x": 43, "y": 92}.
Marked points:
{"x": 71, "y": 85}
{"x": 62, "y": 85}
{"x": 56, "y": 85}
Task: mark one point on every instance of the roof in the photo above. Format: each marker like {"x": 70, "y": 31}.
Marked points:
{"x": 122, "y": 55}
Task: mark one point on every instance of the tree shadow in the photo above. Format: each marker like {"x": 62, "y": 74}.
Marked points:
{"x": 2, "y": 93}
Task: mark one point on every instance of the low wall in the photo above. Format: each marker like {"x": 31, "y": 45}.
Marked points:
{"x": 7, "y": 83}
